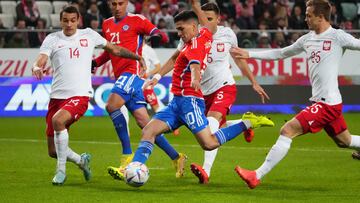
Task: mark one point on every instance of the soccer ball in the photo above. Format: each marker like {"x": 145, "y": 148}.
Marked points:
{"x": 136, "y": 174}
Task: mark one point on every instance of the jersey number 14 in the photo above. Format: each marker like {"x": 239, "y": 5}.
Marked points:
{"x": 74, "y": 53}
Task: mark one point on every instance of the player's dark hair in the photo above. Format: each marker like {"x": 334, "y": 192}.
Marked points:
{"x": 70, "y": 9}
{"x": 185, "y": 16}
{"x": 211, "y": 6}
{"x": 321, "y": 7}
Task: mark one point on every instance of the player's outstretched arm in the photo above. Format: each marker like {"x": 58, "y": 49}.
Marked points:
{"x": 245, "y": 70}
{"x": 39, "y": 66}
{"x": 195, "y": 4}
{"x": 167, "y": 67}
{"x": 125, "y": 53}
{"x": 273, "y": 54}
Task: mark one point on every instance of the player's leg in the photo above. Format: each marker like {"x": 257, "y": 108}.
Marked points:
{"x": 178, "y": 159}
{"x": 278, "y": 151}
{"x": 338, "y": 131}
{"x": 149, "y": 132}
{"x": 193, "y": 116}
{"x": 203, "y": 172}
{"x": 61, "y": 140}
{"x": 113, "y": 107}
{"x": 72, "y": 109}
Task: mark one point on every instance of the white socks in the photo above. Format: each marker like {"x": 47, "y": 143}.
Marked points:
{"x": 275, "y": 155}
{"x": 232, "y": 122}
{"x": 209, "y": 156}
{"x": 355, "y": 142}
{"x": 61, "y": 140}
{"x": 73, "y": 156}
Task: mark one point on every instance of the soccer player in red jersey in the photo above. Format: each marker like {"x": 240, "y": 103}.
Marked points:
{"x": 128, "y": 30}
{"x": 188, "y": 106}
{"x": 218, "y": 86}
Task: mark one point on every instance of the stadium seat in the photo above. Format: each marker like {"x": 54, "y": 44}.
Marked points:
{"x": 59, "y": 5}
{"x": 8, "y": 7}
{"x": 8, "y": 20}
{"x": 55, "y": 20}
{"x": 349, "y": 10}
{"x": 45, "y": 7}
{"x": 47, "y": 18}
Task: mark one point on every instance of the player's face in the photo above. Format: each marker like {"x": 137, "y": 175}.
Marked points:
{"x": 212, "y": 17}
{"x": 69, "y": 23}
{"x": 186, "y": 30}
{"x": 312, "y": 20}
{"x": 118, "y": 8}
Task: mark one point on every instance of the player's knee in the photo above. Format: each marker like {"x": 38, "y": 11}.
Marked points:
{"x": 342, "y": 144}
{"x": 286, "y": 131}
{"x": 142, "y": 122}
{"x": 148, "y": 133}
{"x": 57, "y": 123}
{"x": 209, "y": 146}
{"x": 109, "y": 108}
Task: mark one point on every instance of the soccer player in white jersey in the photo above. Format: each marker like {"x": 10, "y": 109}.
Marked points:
{"x": 324, "y": 47}
{"x": 218, "y": 85}
{"x": 70, "y": 52}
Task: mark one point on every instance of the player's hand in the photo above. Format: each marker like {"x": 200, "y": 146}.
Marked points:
{"x": 237, "y": 52}
{"x": 38, "y": 72}
{"x": 93, "y": 66}
{"x": 261, "y": 92}
{"x": 195, "y": 84}
{"x": 142, "y": 67}
{"x": 150, "y": 83}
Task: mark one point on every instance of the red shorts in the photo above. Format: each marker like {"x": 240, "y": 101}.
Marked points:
{"x": 319, "y": 115}
{"x": 221, "y": 101}
{"x": 150, "y": 96}
{"x": 77, "y": 106}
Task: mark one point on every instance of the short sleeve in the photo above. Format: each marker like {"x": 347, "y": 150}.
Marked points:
{"x": 97, "y": 38}
{"x": 195, "y": 52}
{"x": 232, "y": 37}
{"x": 48, "y": 44}
{"x": 145, "y": 26}
{"x": 348, "y": 41}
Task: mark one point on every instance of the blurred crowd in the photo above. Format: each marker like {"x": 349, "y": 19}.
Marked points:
{"x": 258, "y": 23}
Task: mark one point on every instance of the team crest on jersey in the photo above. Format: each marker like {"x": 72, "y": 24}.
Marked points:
{"x": 327, "y": 45}
{"x": 125, "y": 27}
{"x": 83, "y": 42}
{"x": 220, "y": 47}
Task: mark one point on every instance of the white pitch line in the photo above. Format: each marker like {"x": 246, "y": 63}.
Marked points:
{"x": 332, "y": 149}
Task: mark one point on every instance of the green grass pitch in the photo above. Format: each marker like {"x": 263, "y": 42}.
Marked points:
{"x": 315, "y": 170}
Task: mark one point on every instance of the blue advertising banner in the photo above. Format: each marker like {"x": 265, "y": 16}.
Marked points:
{"x": 26, "y": 96}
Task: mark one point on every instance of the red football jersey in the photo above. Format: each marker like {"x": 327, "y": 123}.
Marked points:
{"x": 194, "y": 51}
{"x": 129, "y": 33}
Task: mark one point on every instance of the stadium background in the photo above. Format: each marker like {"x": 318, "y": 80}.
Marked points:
{"x": 314, "y": 171}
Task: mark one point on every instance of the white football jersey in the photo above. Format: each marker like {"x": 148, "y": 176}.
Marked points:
{"x": 71, "y": 61}
{"x": 150, "y": 57}
{"x": 323, "y": 54}
{"x": 218, "y": 73}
